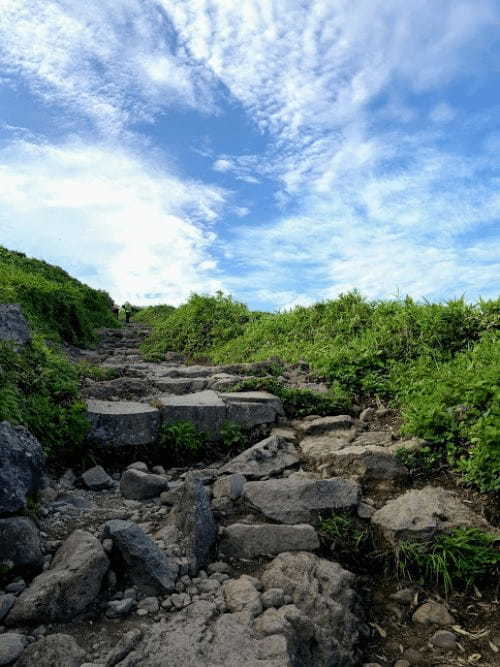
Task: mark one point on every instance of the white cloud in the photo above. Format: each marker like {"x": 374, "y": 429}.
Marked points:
{"x": 222, "y": 165}
{"x": 442, "y": 113}
{"x": 86, "y": 206}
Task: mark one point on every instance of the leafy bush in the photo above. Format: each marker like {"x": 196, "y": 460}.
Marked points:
{"x": 55, "y": 303}
{"x": 182, "y": 441}
{"x": 152, "y": 315}
{"x": 40, "y": 390}
{"x": 233, "y": 435}
{"x": 462, "y": 558}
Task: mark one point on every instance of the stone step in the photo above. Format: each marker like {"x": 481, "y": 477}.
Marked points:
{"x": 122, "y": 422}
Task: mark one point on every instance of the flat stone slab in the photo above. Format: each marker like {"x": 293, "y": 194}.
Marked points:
{"x": 368, "y": 463}
{"x": 204, "y": 408}
{"x": 268, "y": 457}
{"x": 324, "y": 425}
{"x": 318, "y": 449}
{"x": 252, "y": 408}
{"x": 301, "y": 500}
{"x": 180, "y": 385}
{"x": 122, "y": 422}
{"x": 243, "y": 540}
{"x": 422, "y": 513}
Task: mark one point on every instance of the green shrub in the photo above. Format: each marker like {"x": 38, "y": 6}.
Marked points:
{"x": 463, "y": 558}
{"x": 233, "y": 435}
{"x": 152, "y": 315}
{"x": 182, "y": 441}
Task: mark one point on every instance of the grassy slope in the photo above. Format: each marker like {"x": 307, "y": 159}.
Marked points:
{"x": 438, "y": 363}
{"x": 38, "y": 387}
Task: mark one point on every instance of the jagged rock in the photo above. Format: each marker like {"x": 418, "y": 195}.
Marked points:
{"x": 323, "y": 425}
{"x": 268, "y": 457}
{"x": 204, "y": 408}
{"x": 229, "y": 486}
{"x": 317, "y": 450}
{"x": 68, "y": 587}
{"x": 138, "y": 485}
{"x": 194, "y": 523}
{"x": 11, "y": 647}
{"x": 97, "y": 479}
{"x": 242, "y": 540}
{"x": 56, "y": 650}
{"x": 242, "y": 595}
{"x": 122, "y": 422}
{"x": 13, "y": 325}
{"x": 367, "y": 463}
{"x": 125, "y": 645}
{"x": 421, "y": 513}
{"x": 148, "y": 567}
{"x": 20, "y": 543}
{"x": 301, "y": 500}
{"x": 21, "y": 467}
{"x": 322, "y": 591}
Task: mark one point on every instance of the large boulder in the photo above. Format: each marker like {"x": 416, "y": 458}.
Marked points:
{"x": 422, "y": 513}
{"x": 369, "y": 462}
{"x": 20, "y": 543}
{"x": 242, "y": 540}
{"x": 139, "y": 485}
{"x": 13, "y": 325}
{"x": 68, "y": 587}
{"x": 267, "y": 458}
{"x": 147, "y": 567}
{"x": 122, "y": 422}
{"x": 21, "y": 467}
{"x": 194, "y": 527}
{"x": 301, "y": 500}
{"x": 56, "y": 650}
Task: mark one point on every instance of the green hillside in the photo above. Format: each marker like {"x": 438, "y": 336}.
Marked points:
{"x": 56, "y": 304}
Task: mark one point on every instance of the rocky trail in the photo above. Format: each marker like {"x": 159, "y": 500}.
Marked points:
{"x": 226, "y": 563}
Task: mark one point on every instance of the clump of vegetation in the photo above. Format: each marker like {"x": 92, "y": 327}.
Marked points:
{"x": 233, "y": 435}
{"x": 55, "y": 304}
{"x": 182, "y": 441}
{"x": 152, "y": 315}
{"x": 464, "y": 557}
{"x": 439, "y": 364}
{"x": 40, "y": 390}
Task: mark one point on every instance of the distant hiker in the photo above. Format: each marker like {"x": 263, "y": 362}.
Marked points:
{"x": 116, "y": 310}
{"x": 127, "y": 309}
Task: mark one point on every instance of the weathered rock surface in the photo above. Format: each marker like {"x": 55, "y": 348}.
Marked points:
{"x": 433, "y": 613}
{"x": 317, "y": 450}
{"x": 97, "y": 479}
{"x": 252, "y": 407}
{"x": 21, "y": 467}
{"x": 20, "y": 543}
{"x": 229, "y": 486}
{"x": 267, "y": 458}
{"x": 301, "y": 500}
{"x": 148, "y": 567}
{"x": 421, "y": 513}
{"x": 11, "y": 647}
{"x": 124, "y": 647}
{"x": 194, "y": 523}
{"x": 125, "y": 388}
{"x": 122, "y": 422}
{"x": 242, "y": 540}
{"x": 323, "y": 425}
{"x": 242, "y": 595}
{"x": 138, "y": 485}
{"x": 368, "y": 462}
{"x": 204, "y": 408}
{"x": 68, "y": 587}
{"x": 56, "y": 650}
{"x": 13, "y": 325}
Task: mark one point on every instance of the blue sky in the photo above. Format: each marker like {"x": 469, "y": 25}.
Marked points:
{"x": 284, "y": 151}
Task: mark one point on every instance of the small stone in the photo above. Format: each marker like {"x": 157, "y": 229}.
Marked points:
{"x": 138, "y": 465}
{"x": 107, "y": 545}
{"x": 433, "y": 613}
{"x": 274, "y": 597}
{"x": 150, "y": 605}
{"x": 444, "y": 639}
{"x": 219, "y": 566}
{"x": 6, "y": 602}
{"x": 11, "y": 647}
{"x": 158, "y": 470}
{"x": 365, "y": 511}
{"x": 404, "y": 596}
{"x": 16, "y": 587}
{"x": 97, "y": 479}
{"x": 229, "y": 486}
{"x": 119, "y": 608}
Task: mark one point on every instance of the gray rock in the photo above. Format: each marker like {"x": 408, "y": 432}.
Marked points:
{"x": 368, "y": 463}
{"x": 120, "y": 608}
{"x": 243, "y": 540}
{"x": 324, "y": 425}
{"x": 252, "y": 408}
{"x": 180, "y": 386}
{"x": 138, "y": 485}
{"x": 422, "y": 513}
{"x": 242, "y": 595}
{"x": 301, "y": 500}
{"x": 97, "y": 479}
{"x": 444, "y": 639}
{"x": 6, "y": 603}
{"x": 68, "y": 587}
{"x": 20, "y": 543}
{"x": 21, "y": 467}
{"x": 138, "y": 465}
{"x": 194, "y": 523}
{"x": 273, "y": 597}
{"x": 433, "y": 613}
{"x": 125, "y": 645}
{"x": 56, "y": 650}
{"x": 377, "y": 438}
{"x": 230, "y": 486}
{"x": 13, "y": 325}
{"x": 317, "y": 450}
{"x": 122, "y": 422}
{"x": 268, "y": 457}
{"x": 205, "y": 409}
{"x": 322, "y": 591}
{"x": 11, "y": 647}
{"x": 148, "y": 567}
